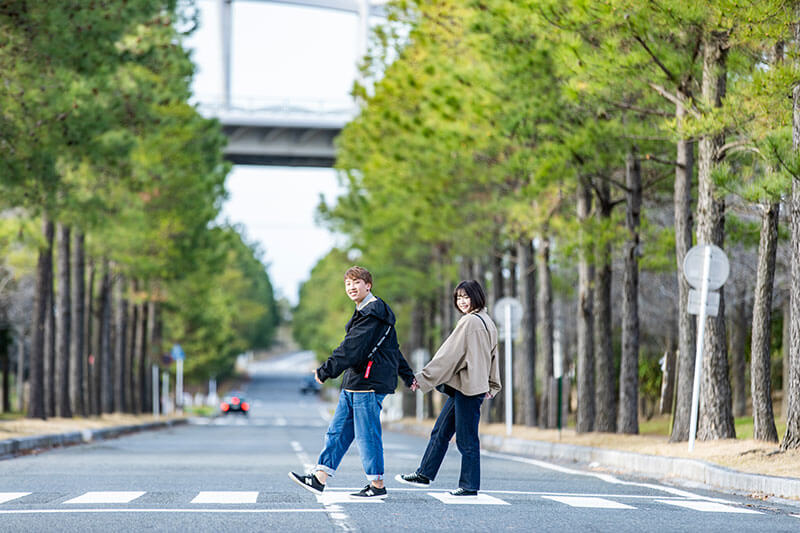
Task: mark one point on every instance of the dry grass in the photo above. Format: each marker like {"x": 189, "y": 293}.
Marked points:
{"x": 27, "y": 427}
{"x": 744, "y": 455}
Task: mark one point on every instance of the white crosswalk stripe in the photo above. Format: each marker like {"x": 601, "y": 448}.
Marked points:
{"x": 480, "y": 499}
{"x": 338, "y": 496}
{"x": 226, "y": 497}
{"x": 8, "y": 496}
{"x": 106, "y": 497}
{"x": 593, "y": 502}
{"x": 709, "y": 507}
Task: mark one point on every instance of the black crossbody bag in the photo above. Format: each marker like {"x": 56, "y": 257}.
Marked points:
{"x": 375, "y": 349}
{"x": 447, "y": 389}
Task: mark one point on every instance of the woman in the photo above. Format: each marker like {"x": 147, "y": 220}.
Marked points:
{"x": 465, "y": 368}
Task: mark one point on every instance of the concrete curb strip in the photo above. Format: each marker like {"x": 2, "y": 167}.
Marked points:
{"x": 653, "y": 466}
{"x": 13, "y": 447}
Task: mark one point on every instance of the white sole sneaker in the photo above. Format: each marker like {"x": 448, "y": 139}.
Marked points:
{"x": 305, "y": 486}
{"x": 399, "y": 478}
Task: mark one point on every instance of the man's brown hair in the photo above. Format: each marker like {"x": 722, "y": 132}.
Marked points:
{"x": 357, "y": 272}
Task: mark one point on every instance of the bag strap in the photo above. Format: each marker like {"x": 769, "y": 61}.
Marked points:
{"x": 375, "y": 349}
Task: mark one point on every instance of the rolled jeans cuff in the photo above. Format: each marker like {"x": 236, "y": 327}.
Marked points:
{"x": 374, "y": 477}
{"x": 328, "y": 470}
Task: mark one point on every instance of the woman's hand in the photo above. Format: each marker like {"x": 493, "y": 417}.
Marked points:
{"x": 488, "y": 396}
{"x": 414, "y": 385}
{"x": 316, "y": 376}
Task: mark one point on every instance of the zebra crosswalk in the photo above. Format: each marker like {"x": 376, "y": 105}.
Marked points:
{"x": 11, "y": 500}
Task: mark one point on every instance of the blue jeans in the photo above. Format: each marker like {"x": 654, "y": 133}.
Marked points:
{"x": 357, "y": 416}
{"x": 460, "y": 415}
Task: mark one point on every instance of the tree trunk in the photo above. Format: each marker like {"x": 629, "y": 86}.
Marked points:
{"x": 89, "y": 385}
{"x": 20, "y": 373}
{"x": 120, "y": 321}
{"x": 63, "y": 324}
{"x": 525, "y": 362}
{"x": 139, "y": 363}
{"x": 585, "y": 370}
{"x": 44, "y": 272}
{"x": 682, "y": 202}
{"x": 50, "y": 348}
{"x": 131, "y": 381}
{"x": 760, "y": 365}
{"x": 544, "y": 314}
{"x": 106, "y": 363}
{"x": 97, "y": 331}
{"x": 497, "y": 405}
{"x": 152, "y": 341}
{"x": 605, "y": 397}
{"x": 77, "y": 357}
{"x": 786, "y": 341}
{"x": 716, "y": 417}
{"x": 628, "y": 421}
{"x": 737, "y": 350}
{"x": 5, "y": 367}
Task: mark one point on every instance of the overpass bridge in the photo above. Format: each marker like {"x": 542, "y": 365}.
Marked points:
{"x": 287, "y": 132}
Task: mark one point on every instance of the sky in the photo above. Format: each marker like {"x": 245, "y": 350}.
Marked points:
{"x": 279, "y": 52}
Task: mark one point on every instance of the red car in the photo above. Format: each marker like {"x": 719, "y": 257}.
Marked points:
{"x": 234, "y": 403}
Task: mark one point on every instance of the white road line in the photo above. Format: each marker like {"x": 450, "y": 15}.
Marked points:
{"x": 8, "y": 496}
{"x": 106, "y": 497}
{"x": 608, "y": 478}
{"x": 296, "y": 446}
{"x": 336, "y": 497}
{"x": 480, "y": 499}
{"x": 225, "y": 497}
{"x": 709, "y": 507}
{"x": 280, "y": 421}
{"x": 213, "y": 511}
{"x": 583, "y": 501}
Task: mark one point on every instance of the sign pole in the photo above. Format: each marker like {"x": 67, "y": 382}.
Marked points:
{"x": 698, "y": 360}
{"x": 155, "y": 391}
{"x": 179, "y": 384}
{"x": 508, "y": 384}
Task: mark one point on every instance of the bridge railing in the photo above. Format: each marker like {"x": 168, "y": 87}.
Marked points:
{"x": 284, "y": 107}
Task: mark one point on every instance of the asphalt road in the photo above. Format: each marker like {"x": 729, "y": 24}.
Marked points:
{"x": 229, "y": 474}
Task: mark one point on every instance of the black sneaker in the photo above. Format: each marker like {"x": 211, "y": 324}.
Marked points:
{"x": 308, "y": 482}
{"x": 463, "y": 492}
{"x": 418, "y": 480}
{"x": 371, "y": 491}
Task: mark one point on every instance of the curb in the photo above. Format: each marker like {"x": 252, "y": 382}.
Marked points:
{"x": 652, "y": 466}
{"x": 24, "y": 445}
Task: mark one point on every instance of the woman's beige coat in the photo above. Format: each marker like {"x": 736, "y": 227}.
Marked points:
{"x": 467, "y": 360}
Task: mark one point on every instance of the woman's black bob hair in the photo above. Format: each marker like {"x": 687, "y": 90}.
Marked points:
{"x": 475, "y": 292}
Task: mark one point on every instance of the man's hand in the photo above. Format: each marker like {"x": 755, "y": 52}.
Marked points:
{"x": 414, "y": 385}
{"x": 317, "y": 377}
{"x": 488, "y": 396}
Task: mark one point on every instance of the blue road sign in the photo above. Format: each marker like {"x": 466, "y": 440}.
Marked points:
{"x": 177, "y": 353}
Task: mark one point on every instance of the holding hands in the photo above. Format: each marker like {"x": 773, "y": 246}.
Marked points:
{"x": 414, "y": 385}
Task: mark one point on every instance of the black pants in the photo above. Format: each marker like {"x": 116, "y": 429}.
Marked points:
{"x": 460, "y": 415}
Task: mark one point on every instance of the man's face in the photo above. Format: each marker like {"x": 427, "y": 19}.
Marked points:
{"x": 357, "y": 289}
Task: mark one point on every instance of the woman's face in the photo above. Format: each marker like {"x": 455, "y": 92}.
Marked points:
{"x": 463, "y": 302}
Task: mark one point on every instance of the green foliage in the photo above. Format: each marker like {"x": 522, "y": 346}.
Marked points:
{"x": 323, "y": 310}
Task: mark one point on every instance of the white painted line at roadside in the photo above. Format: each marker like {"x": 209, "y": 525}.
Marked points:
{"x": 583, "y": 501}
{"x": 608, "y": 478}
{"x": 226, "y": 497}
{"x": 480, "y": 499}
{"x": 8, "y": 496}
{"x": 210, "y": 511}
{"x": 106, "y": 497}
{"x": 281, "y": 421}
{"x": 709, "y": 507}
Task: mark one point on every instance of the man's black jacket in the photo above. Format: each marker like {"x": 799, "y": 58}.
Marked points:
{"x": 363, "y": 331}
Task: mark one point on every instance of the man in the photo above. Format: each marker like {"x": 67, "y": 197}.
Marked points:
{"x": 370, "y": 358}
